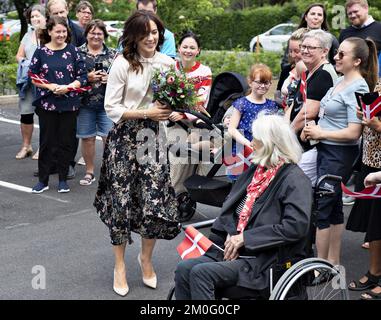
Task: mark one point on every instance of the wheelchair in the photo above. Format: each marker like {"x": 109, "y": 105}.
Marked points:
{"x": 293, "y": 279}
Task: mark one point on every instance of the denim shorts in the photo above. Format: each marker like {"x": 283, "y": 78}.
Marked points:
{"x": 93, "y": 122}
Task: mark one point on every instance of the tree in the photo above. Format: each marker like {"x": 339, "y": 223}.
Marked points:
{"x": 21, "y": 6}
{"x": 179, "y": 15}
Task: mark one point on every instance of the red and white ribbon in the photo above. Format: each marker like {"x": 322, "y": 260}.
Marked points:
{"x": 40, "y": 80}
{"x": 368, "y": 193}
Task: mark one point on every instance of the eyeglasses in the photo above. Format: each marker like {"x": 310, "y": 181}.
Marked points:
{"x": 262, "y": 84}
{"x": 96, "y": 34}
{"x": 309, "y": 48}
{"x": 340, "y": 54}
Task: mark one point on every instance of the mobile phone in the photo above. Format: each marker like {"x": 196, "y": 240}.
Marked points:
{"x": 98, "y": 66}
{"x": 312, "y": 123}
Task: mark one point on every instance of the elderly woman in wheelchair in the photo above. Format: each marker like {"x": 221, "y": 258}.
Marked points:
{"x": 270, "y": 204}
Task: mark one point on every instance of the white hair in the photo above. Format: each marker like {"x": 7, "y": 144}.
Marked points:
{"x": 278, "y": 141}
{"x": 324, "y": 37}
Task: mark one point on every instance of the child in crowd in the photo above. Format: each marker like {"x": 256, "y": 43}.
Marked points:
{"x": 246, "y": 109}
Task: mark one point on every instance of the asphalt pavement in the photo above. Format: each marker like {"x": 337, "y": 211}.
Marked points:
{"x": 54, "y": 246}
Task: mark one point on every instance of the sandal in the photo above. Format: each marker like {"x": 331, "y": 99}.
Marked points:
{"x": 87, "y": 180}
{"x": 365, "y": 245}
{"x": 368, "y": 284}
{"x": 370, "y": 295}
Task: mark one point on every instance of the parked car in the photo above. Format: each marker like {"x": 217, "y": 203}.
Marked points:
{"x": 114, "y": 28}
{"x": 274, "y": 39}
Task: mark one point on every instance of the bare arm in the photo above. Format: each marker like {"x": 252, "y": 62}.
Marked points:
{"x": 234, "y": 132}
{"x": 159, "y": 112}
{"x": 313, "y": 107}
{"x": 20, "y": 53}
{"x": 352, "y": 132}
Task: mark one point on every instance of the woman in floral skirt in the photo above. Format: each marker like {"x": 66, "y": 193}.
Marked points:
{"x": 135, "y": 192}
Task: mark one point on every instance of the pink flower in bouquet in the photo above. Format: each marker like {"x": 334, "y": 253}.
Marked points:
{"x": 170, "y": 80}
{"x": 182, "y": 85}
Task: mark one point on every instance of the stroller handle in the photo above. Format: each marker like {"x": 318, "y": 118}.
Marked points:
{"x": 202, "y": 117}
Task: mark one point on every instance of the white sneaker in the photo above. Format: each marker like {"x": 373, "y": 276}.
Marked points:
{"x": 348, "y": 201}
{"x": 81, "y": 162}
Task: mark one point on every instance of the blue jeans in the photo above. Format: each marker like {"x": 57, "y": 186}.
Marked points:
{"x": 93, "y": 122}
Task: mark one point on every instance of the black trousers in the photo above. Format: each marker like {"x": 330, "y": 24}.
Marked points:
{"x": 57, "y": 136}
{"x": 197, "y": 279}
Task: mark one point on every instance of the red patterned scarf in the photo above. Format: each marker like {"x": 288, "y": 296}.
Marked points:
{"x": 257, "y": 186}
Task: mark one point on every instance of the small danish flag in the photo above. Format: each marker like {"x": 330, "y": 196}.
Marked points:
{"x": 194, "y": 245}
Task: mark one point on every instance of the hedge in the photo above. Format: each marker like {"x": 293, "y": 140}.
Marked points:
{"x": 235, "y": 29}
{"x": 8, "y": 79}
{"x": 240, "y": 62}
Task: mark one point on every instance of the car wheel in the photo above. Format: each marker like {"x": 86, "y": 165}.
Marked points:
{"x": 255, "y": 47}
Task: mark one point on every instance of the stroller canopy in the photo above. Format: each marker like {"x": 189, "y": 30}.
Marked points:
{"x": 226, "y": 87}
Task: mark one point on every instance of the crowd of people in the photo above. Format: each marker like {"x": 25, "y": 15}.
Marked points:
{"x": 83, "y": 89}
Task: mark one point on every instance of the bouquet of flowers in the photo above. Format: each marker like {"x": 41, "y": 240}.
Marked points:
{"x": 175, "y": 90}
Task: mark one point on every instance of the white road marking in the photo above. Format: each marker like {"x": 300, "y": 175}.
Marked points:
{"x": 73, "y": 214}
{"x": 17, "y": 225}
{"x": 28, "y": 190}
{"x": 15, "y": 187}
{"x": 16, "y": 122}
{"x": 35, "y": 125}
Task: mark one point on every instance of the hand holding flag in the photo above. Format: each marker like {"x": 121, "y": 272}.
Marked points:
{"x": 373, "y": 192}
{"x": 370, "y": 104}
{"x": 235, "y": 165}
{"x": 194, "y": 245}
{"x": 40, "y": 80}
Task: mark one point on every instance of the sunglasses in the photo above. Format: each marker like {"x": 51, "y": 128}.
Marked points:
{"x": 340, "y": 54}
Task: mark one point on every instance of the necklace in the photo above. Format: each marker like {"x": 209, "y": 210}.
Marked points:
{"x": 310, "y": 73}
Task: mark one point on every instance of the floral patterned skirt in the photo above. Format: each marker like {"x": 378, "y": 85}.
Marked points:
{"x": 134, "y": 191}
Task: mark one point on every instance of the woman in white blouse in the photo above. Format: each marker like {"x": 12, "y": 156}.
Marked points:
{"x": 135, "y": 192}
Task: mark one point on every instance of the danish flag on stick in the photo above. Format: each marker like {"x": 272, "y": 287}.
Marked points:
{"x": 303, "y": 86}
{"x": 37, "y": 79}
{"x": 235, "y": 165}
{"x": 368, "y": 193}
{"x": 194, "y": 245}
{"x": 370, "y": 104}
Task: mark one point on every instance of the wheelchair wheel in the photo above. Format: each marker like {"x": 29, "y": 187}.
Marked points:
{"x": 186, "y": 207}
{"x": 311, "y": 279}
{"x": 171, "y": 294}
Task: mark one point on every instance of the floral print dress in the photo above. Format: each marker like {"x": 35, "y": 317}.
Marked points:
{"x": 61, "y": 67}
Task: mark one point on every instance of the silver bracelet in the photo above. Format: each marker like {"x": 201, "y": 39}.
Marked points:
{"x": 145, "y": 117}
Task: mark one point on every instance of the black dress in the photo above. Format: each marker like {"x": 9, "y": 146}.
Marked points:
{"x": 365, "y": 215}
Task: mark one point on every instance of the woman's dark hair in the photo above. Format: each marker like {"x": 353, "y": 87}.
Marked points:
{"x": 50, "y": 24}
{"x": 136, "y": 28}
{"x": 366, "y": 51}
{"x": 35, "y": 7}
{"x": 190, "y": 34}
{"x": 303, "y": 22}
{"x": 97, "y": 23}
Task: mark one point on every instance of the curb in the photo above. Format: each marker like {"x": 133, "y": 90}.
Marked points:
{"x": 7, "y": 100}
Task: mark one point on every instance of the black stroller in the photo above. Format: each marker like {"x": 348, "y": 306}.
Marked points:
{"x": 211, "y": 190}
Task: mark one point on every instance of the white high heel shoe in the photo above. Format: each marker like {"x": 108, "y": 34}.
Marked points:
{"x": 149, "y": 282}
{"x": 120, "y": 291}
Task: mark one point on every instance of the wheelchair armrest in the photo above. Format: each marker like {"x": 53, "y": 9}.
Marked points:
{"x": 268, "y": 246}
{"x": 200, "y": 225}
